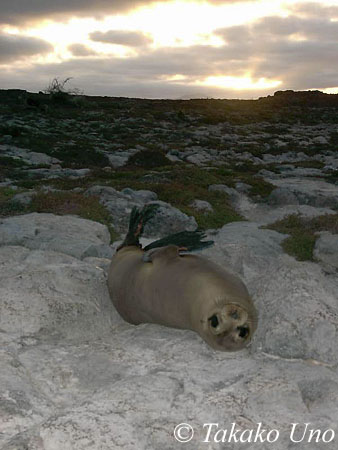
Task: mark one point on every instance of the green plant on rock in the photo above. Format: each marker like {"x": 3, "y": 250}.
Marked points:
{"x": 302, "y": 231}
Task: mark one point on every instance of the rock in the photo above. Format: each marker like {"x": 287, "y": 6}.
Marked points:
{"x": 201, "y": 205}
{"x": 173, "y": 156}
{"x": 231, "y": 192}
{"x": 320, "y": 140}
{"x": 283, "y": 196}
{"x": 298, "y": 311}
{"x": 24, "y": 198}
{"x": 28, "y": 156}
{"x": 288, "y": 157}
{"x": 50, "y": 293}
{"x": 199, "y": 158}
{"x": 67, "y": 234}
{"x": 167, "y": 219}
{"x": 72, "y": 174}
{"x": 266, "y": 174}
{"x": 265, "y": 214}
{"x": 245, "y": 248}
{"x": 70, "y": 343}
{"x": 326, "y": 248}
{"x": 118, "y": 159}
{"x": 140, "y": 195}
{"x": 313, "y": 192}
{"x": 243, "y": 188}
{"x": 98, "y": 251}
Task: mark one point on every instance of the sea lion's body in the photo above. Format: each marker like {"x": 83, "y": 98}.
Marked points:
{"x": 182, "y": 291}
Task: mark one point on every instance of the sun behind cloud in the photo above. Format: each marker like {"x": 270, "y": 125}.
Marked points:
{"x": 225, "y": 47}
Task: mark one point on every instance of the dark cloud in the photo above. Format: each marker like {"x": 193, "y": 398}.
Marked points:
{"x": 121, "y": 37}
{"x": 14, "y": 47}
{"x": 17, "y": 11}
{"x": 80, "y": 50}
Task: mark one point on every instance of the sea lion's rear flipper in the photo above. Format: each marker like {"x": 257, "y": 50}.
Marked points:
{"x": 191, "y": 240}
{"x": 138, "y": 218}
{"x": 156, "y": 254}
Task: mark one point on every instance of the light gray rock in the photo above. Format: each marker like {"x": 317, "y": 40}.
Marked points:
{"x": 140, "y": 195}
{"x": 57, "y": 173}
{"x": 283, "y": 196}
{"x": 118, "y": 159}
{"x": 231, "y": 192}
{"x": 288, "y": 157}
{"x": 50, "y": 293}
{"x": 74, "y": 375}
{"x": 245, "y": 248}
{"x": 201, "y": 205}
{"x": 199, "y": 158}
{"x": 173, "y": 156}
{"x": 265, "y": 214}
{"x": 326, "y": 249}
{"x": 168, "y": 220}
{"x": 28, "y": 156}
{"x": 67, "y": 234}
{"x": 307, "y": 191}
{"x": 298, "y": 312}
{"x": 144, "y": 387}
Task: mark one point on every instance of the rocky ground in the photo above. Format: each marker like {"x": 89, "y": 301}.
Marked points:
{"x": 260, "y": 178}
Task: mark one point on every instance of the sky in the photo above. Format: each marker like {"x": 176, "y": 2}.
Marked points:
{"x": 176, "y": 49}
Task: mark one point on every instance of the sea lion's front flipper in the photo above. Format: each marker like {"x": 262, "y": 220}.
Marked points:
{"x": 168, "y": 252}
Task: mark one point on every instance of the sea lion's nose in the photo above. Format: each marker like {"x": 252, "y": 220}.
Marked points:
{"x": 243, "y": 331}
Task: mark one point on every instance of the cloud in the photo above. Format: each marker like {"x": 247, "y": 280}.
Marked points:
{"x": 314, "y": 10}
{"x": 299, "y": 50}
{"x": 121, "y": 37}
{"x": 114, "y": 79}
{"x": 18, "y": 11}
{"x": 81, "y": 50}
{"x": 21, "y": 11}
{"x": 14, "y": 47}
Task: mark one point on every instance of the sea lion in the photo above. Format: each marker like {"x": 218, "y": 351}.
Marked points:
{"x": 162, "y": 285}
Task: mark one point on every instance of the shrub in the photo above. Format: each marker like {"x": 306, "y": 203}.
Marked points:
{"x": 148, "y": 159}
{"x": 57, "y": 91}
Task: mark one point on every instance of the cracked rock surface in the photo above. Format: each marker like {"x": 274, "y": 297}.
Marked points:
{"x": 74, "y": 375}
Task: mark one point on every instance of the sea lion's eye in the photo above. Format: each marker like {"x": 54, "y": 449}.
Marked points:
{"x": 214, "y": 321}
{"x": 243, "y": 332}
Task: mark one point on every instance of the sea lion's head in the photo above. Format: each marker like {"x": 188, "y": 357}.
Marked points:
{"x": 226, "y": 314}
{"x": 230, "y": 327}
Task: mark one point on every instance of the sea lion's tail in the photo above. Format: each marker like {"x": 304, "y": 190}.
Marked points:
{"x": 186, "y": 240}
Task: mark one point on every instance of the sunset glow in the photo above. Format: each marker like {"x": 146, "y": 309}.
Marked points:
{"x": 239, "y": 83}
